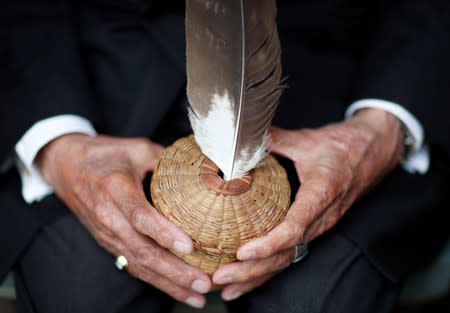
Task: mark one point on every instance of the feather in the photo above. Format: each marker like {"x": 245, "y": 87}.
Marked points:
{"x": 234, "y": 79}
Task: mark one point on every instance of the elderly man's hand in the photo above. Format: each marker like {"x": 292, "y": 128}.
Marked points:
{"x": 100, "y": 180}
{"x": 336, "y": 164}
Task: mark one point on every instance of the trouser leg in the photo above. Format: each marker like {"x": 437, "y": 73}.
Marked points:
{"x": 335, "y": 278}
{"x": 64, "y": 270}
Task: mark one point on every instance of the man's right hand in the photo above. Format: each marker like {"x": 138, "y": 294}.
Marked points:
{"x": 100, "y": 180}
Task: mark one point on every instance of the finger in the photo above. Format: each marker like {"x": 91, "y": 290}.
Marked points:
{"x": 180, "y": 293}
{"x": 146, "y": 220}
{"x": 134, "y": 247}
{"x": 239, "y": 272}
{"x": 330, "y": 218}
{"x": 163, "y": 262}
{"x": 129, "y": 197}
{"x": 115, "y": 246}
{"x": 156, "y": 259}
{"x": 309, "y": 205}
{"x": 183, "y": 294}
{"x": 284, "y": 142}
{"x": 234, "y": 291}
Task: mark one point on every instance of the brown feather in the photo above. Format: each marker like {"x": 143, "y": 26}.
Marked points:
{"x": 234, "y": 79}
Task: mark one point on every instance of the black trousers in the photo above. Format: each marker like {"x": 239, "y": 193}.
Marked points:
{"x": 64, "y": 270}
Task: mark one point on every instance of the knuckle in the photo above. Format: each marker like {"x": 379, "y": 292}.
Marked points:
{"x": 290, "y": 232}
{"x": 138, "y": 218}
{"x": 145, "y": 256}
{"x": 189, "y": 276}
{"x": 316, "y": 189}
{"x": 252, "y": 272}
{"x": 241, "y": 276}
{"x": 102, "y": 216}
{"x": 102, "y": 238}
{"x": 177, "y": 273}
{"x": 158, "y": 254}
{"x": 115, "y": 181}
{"x": 282, "y": 261}
{"x": 293, "y": 233}
{"x": 178, "y": 277}
{"x": 142, "y": 144}
{"x": 364, "y": 138}
{"x": 324, "y": 191}
{"x": 325, "y": 170}
{"x": 158, "y": 231}
{"x": 297, "y": 234}
{"x": 182, "y": 274}
{"x": 136, "y": 270}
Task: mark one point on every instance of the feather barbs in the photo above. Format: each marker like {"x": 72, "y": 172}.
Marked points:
{"x": 234, "y": 79}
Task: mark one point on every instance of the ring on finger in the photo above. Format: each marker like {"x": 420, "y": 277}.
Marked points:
{"x": 301, "y": 250}
{"x": 121, "y": 263}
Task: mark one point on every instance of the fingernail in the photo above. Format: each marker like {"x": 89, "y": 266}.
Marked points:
{"x": 182, "y": 247}
{"x": 232, "y": 296}
{"x": 223, "y": 280}
{"x": 195, "y": 302}
{"x": 246, "y": 255}
{"x": 200, "y": 286}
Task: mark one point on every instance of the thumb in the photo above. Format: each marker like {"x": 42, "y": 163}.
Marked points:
{"x": 283, "y": 142}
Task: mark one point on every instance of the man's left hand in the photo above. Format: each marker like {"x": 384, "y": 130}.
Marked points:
{"x": 336, "y": 164}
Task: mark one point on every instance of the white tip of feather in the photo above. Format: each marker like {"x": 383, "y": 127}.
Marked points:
{"x": 214, "y": 132}
{"x": 214, "y": 135}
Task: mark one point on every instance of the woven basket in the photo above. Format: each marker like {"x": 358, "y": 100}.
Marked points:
{"x": 219, "y": 216}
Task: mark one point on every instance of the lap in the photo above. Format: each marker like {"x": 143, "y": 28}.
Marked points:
{"x": 335, "y": 277}
{"x": 65, "y": 270}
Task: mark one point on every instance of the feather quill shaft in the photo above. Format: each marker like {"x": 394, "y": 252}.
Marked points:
{"x": 234, "y": 79}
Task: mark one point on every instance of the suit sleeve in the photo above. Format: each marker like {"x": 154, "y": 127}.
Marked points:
{"x": 41, "y": 68}
{"x": 407, "y": 61}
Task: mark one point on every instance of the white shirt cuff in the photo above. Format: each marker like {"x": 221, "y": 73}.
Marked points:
{"x": 418, "y": 160}
{"x": 34, "y": 187}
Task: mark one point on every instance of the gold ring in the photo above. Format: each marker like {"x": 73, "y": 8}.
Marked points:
{"x": 121, "y": 262}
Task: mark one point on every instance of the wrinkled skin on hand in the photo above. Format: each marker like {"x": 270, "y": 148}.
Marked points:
{"x": 100, "y": 180}
{"x": 336, "y": 165}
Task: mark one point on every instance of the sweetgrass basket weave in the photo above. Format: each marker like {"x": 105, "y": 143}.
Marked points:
{"x": 219, "y": 216}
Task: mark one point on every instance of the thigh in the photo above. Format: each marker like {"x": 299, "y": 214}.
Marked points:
{"x": 334, "y": 278}
{"x": 65, "y": 270}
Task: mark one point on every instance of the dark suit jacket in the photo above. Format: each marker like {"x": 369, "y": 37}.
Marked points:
{"x": 121, "y": 64}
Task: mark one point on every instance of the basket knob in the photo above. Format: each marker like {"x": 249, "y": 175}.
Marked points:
{"x": 211, "y": 176}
